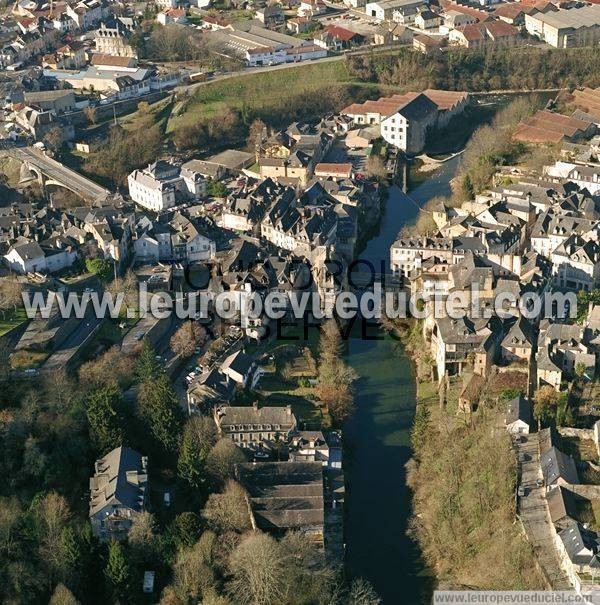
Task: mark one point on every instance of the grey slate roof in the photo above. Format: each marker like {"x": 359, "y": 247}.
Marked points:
{"x": 518, "y": 408}
{"x": 120, "y": 478}
{"x": 556, "y": 465}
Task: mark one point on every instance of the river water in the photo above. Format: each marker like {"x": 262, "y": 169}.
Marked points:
{"x": 377, "y": 437}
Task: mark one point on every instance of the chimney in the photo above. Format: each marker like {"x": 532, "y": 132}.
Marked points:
{"x": 255, "y": 406}
{"x": 288, "y": 409}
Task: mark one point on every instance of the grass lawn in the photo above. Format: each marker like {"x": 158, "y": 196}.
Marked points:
{"x": 11, "y": 320}
{"x": 259, "y": 90}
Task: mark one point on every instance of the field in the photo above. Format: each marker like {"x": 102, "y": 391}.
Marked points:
{"x": 11, "y": 320}
{"x": 262, "y": 92}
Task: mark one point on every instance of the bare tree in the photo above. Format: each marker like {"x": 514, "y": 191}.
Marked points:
{"x": 62, "y": 596}
{"x": 91, "y": 114}
{"x": 258, "y": 571}
{"x": 362, "y": 593}
{"x": 228, "y": 510}
{"x": 189, "y": 336}
{"x": 10, "y": 295}
{"x": 222, "y": 459}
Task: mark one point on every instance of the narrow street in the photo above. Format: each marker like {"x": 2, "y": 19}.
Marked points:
{"x": 533, "y": 510}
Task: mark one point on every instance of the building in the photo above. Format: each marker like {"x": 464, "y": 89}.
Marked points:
{"x": 271, "y": 15}
{"x": 285, "y": 496}
{"x": 68, "y": 56}
{"x": 31, "y": 257}
{"x": 558, "y": 468}
{"x": 253, "y": 427}
{"x": 551, "y": 127}
{"x": 426, "y": 19}
{"x": 87, "y": 13}
{"x": 58, "y": 101}
{"x": 518, "y": 416}
{"x": 385, "y": 10}
{"x": 517, "y": 345}
{"x": 172, "y": 15}
{"x": 171, "y": 238}
{"x": 242, "y": 369}
{"x": 311, "y": 446}
{"x": 158, "y": 186}
{"x": 407, "y": 127}
{"x": 405, "y": 119}
{"x": 426, "y": 44}
{"x": 566, "y": 28}
{"x": 113, "y": 38}
{"x": 488, "y": 33}
{"x": 118, "y": 492}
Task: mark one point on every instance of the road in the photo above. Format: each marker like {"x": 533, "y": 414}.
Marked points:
{"x": 63, "y": 355}
{"x": 56, "y": 171}
{"x": 534, "y": 514}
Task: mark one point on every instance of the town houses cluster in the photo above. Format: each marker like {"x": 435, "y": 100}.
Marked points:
{"x": 531, "y": 233}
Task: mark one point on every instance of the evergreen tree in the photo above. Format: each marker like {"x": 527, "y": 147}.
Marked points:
{"x": 71, "y": 557}
{"x": 104, "y": 407}
{"x": 195, "y": 447}
{"x": 147, "y": 368}
{"x": 158, "y": 408}
{"x": 117, "y": 572}
{"x": 420, "y": 427}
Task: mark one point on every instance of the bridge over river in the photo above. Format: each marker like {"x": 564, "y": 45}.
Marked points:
{"x": 50, "y": 172}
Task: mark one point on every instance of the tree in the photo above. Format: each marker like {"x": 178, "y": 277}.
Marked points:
{"x": 221, "y": 461}
{"x": 375, "y": 167}
{"x": 50, "y": 514}
{"x": 143, "y": 540}
{"x": 580, "y": 369}
{"x": 186, "y": 528}
{"x": 71, "y": 556}
{"x": 91, "y": 114}
{"x": 128, "y": 287}
{"x": 101, "y": 267}
{"x": 117, "y": 572}
{"x": 228, "y": 511}
{"x": 10, "y": 295}
{"x": 54, "y": 138}
{"x": 330, "y": 341}
{"x": 362, "y": 593}
{"x": 189, "y": 336}
{"x": 193, "y": 570}
{"x": 421, "y": 427}
{"x": 147, "y": 367}
{"x": 545, "y": 401}
{"x": 198, "y": 438}
{"x": 104, "y": 414}
{"x": 110, "y": 367}
{"x": 62, "y": 596}
{"x": 335, "y": 388}
{"x": 216, "y": 188}
{"x": 256, "y": 133}
{"x": 158, "y": 408}
{"x": 258, "y": 571}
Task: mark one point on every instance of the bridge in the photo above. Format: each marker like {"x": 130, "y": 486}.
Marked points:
{"x": 50, "y": 172}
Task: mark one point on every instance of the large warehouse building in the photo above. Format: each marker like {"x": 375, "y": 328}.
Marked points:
{"x": 566, "y": 28}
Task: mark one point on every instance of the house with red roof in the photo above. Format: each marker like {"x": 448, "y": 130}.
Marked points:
{"x": 488, "y": 33}
{"x": 335, "y": 37}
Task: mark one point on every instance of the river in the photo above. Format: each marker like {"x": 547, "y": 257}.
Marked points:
{"x": 377, "y": 437}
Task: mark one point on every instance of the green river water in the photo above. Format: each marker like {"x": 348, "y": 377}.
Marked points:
{"x": 377, "y": 437}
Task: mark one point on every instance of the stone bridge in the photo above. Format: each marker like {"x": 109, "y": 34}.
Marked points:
{"x": 49, "y": 172}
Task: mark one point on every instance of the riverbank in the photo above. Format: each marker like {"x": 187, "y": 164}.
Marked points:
{"x": 462, "y": 478}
